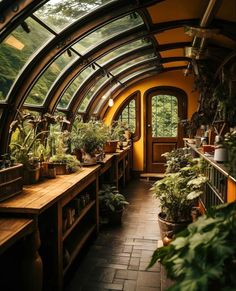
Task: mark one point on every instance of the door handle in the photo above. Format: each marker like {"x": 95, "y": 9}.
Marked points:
{"x": 149, "y": 125}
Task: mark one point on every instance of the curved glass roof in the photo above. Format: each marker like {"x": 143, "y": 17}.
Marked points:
{"x": 73, "y": 87}
{"x": 17, "y": 49}
{"x": 43, "y": 85}
{"x": 110, "y": 57}
{"x": 135, "y": 61}
{"x": 123, "y": 49}
{"x": 107, "y": 31}
{"x": 59, "y": 14}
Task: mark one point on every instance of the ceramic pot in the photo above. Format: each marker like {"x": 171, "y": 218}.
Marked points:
{"x": 170, "y": 228}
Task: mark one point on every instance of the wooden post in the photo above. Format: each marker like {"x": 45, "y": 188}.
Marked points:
{"x": 31, "y": 266}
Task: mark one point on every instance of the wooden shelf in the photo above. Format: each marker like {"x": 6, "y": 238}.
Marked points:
{"x": 83, "y": 212}
{"x": 78, "y": 244}
{"x": 216, "y": 191}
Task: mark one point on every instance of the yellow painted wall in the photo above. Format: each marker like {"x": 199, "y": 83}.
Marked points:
{"x": 175, "y": 79}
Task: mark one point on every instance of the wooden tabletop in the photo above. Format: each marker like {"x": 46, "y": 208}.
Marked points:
{"x": 12, "y": 229}
{"x": 34, "y": 199}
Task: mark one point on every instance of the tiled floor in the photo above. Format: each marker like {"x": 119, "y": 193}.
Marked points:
{"x": 118, "y": 258}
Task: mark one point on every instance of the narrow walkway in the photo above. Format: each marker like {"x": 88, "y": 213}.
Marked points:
{"x": 118, "y": 258}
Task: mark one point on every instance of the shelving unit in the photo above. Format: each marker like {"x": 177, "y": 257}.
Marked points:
{"x": 46, "y": 202}
{"x": 122, "y": 166}
{"x": 221, "y": 187}
{"x": 79, "y": 217}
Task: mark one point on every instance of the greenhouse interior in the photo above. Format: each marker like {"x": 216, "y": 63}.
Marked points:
{"x": 117, "y": 145}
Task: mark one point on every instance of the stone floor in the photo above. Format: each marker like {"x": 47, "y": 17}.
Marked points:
{"x": 118, "y": 258}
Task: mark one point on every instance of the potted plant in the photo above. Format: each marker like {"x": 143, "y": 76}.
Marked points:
{"x": 11, "y": 176}
{"x": 25, "y": 141}
{"x": 202, "y": 257}
{"x": 65, "y": 163}
{"x": 114, "y": 134}
{"x": 230, "y": 144}
{"x": 177, "y": 194}
{"x": 112, "y": 203}
{"x": 90, "y": 138}
{"x": 177, "y": 159}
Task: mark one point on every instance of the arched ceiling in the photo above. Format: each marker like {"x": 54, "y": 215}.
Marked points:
{"x": 72, "y": 55}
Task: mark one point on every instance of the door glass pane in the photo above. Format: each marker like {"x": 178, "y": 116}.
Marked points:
{"x": 16, "y": 49}
{"x": 164, "y": 116}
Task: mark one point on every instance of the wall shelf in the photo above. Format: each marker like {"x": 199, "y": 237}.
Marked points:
{"x": 221, "y": 187}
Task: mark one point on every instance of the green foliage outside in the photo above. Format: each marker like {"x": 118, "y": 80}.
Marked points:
{"x": 164, "y": 116}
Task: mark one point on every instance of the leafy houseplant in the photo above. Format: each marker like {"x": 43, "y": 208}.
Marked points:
{"x": 202, "y": 257}
{"x": 177, "y": 159}
{"x": 112, "y": 203}
{"x": 114, "y": 133}
{"x": 25, "y": 141}
{"x": 71, "y": 163}
{"x": 90, "y": 137}
{"x": 64, "y": 162}
{"x": 230, "y": 144}
{"x": 177, "y": 194}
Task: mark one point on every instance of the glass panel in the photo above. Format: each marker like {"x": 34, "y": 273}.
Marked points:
{"x": 40, "y": 90}
{"x": 107, "y": 31}
{"x": 125, "y": 79}
{"x": 74, "y": 86}
{"x": 164, "y": 116}
{"x": 132, "y": 62}
{"x": 15, "y": 51}
{"x": 59, "y": 14}
{"x": 122, "y": 50}
{"x": 92, "y": 91}
{"x": 128, "y": 115}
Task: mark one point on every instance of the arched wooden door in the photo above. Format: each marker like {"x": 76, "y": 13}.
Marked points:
{"x": 164, "y": 108}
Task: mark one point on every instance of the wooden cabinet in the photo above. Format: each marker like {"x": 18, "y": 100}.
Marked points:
{"x": 122, "y": 167}
{"x": 67, "y": 212}
{"x": 79, "y": 218}
{"x": 20, "y": 263}
{"x": 64, "y": 225}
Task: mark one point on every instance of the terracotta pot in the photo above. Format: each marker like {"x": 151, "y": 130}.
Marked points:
{"x": 110, "y": 146}
{"x": 60, "y": 168}
{"x": 170, "y": 228}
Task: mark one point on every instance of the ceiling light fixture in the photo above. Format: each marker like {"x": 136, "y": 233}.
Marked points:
{"x": 110, "y": 101}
